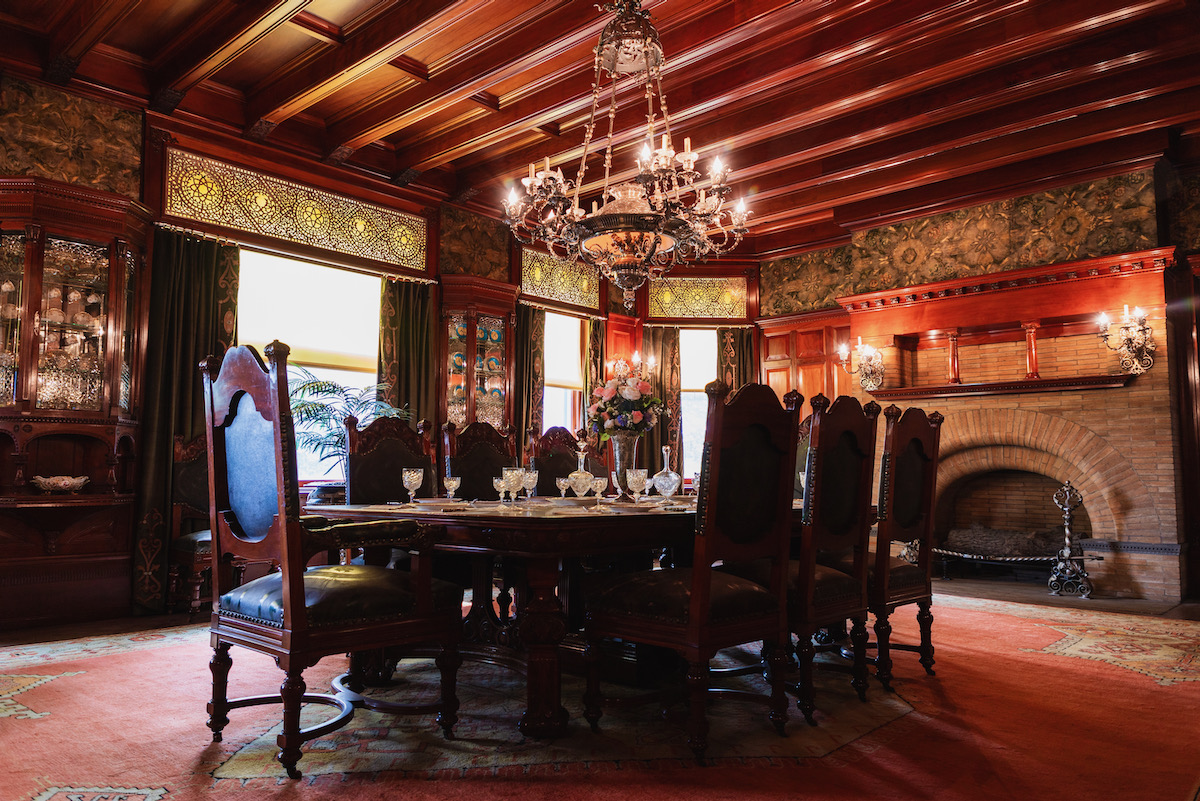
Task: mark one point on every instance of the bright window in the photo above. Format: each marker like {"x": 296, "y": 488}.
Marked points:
{"x": 563, "y": 395}
{"x": 329, "y": 317}
{"x": 697, "y": 368}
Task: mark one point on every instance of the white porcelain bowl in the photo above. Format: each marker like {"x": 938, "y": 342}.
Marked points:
{"x": 59, "y": 483}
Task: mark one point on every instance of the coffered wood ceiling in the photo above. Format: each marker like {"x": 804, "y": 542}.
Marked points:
{"x": 834, "y": 114}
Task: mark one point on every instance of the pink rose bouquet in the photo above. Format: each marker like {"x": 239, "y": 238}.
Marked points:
{"x": 624, "y": 403}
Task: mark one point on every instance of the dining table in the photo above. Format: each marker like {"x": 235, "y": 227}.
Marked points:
{"x": 541, "y": 536}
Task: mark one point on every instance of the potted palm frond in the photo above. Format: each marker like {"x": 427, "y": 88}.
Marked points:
{"x": 320, "y": 407}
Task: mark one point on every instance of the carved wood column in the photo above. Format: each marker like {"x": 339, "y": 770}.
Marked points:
{"x": 952, "y": 376}
{"x": 1031, "y": 363}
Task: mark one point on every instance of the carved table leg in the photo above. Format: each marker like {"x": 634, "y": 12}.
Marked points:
{"x": 542, "y": 628}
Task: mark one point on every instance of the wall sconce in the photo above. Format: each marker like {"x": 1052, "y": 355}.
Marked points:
{"x": 870, "y": 365}
{"x": 1134, "y": 340}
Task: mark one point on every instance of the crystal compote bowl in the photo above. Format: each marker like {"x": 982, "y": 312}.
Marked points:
{"x": 412, "y": 477}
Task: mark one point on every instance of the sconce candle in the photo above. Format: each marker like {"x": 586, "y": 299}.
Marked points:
{"x": 870, "y": 364}
{"x": 1133, "y": 340}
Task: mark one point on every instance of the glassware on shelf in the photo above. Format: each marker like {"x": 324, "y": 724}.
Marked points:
{"x": 581, "y": 479}
{"x": 635, "y": 479}
{"x": 412, "y": 477}
{"x": 563, "y": 483}
{"x": 598, "y": 487}
{"x": 666, "y": 481}
{"x": 452, "y": 484}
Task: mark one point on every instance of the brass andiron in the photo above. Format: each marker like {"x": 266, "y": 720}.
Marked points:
{"x": 1068, "y": 576}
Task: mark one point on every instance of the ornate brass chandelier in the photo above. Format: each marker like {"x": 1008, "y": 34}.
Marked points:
{"x": 660, "y": 219}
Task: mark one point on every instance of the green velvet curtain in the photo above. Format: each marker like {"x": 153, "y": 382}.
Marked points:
{"x": 193, "y": 314}
{"x": 593, "y": 371}
{"x": 735, "y": 356}
{"x": 663, "y": 344}
{"x": 408, "y": 347}
{"x": 529, "y": 374}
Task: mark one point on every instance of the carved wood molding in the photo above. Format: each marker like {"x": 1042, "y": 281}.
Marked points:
{"x": 1004, "y": 387}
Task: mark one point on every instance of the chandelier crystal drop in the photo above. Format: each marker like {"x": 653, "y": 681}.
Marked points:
{"x": 665, "y": 216}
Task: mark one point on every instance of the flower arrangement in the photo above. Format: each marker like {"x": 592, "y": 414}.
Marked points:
{"x": 625, "y": 402}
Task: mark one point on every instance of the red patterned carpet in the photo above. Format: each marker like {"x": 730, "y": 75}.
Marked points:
{"x": 1028, "y": 703}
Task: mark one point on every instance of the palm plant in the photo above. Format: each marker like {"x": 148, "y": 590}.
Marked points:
{"x": 320, "y": 407}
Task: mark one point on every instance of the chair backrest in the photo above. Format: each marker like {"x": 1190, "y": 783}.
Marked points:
{"x": 189, "y": 485}
{"x": 254, "y": 501}
{"x": 907, "y": 482}
{"x": 839, "y": 474}
{"x": 376, "y": 454}
{"x": 555, "y": 454}
{"x": 476, "y": 453}
{"x": 747, "y": 467}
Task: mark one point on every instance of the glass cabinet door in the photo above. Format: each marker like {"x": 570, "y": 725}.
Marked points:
{"x": 456, "y": 371}
{"x": 12, "y": 275}
{"x": 489, "y": 370}
{"x": 72, "y": 326}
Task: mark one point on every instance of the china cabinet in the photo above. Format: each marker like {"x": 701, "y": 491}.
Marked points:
{"x": 479, "y": 318}
{"x": 71, "y": 267}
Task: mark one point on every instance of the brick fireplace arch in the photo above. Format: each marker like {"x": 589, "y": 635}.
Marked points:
{"x": 1117, "y": 501}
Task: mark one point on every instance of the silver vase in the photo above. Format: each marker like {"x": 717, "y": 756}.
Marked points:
{"x": 624, "y": 447}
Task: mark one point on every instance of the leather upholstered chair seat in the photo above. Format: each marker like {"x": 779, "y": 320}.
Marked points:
{"x": 338, "y": 595}
{"x": 902, "y": 574}
{"x": 662, "y": 596}
{"x": 831, "y": 586}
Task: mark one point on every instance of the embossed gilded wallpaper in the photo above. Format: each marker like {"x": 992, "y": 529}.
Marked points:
{"x": 473, "y": 245}
{"x": 63, "y": 137}
{"x": 1099, "y": 218}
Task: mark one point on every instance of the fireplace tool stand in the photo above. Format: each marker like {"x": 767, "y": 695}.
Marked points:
{"x": 1068, "y": 576}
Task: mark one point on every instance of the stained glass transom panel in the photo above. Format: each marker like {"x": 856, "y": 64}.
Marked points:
{"x": 207, "y": 190}
{"x": 698, "y": 297}
{"x": 546, "y": 277}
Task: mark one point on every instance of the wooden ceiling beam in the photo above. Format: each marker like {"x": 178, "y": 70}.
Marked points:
{"x": 212, "y": 42}
{"x": 505, "y": 58}
{"x": 317, "y": 76}
{"x": 788, "y": 193}
{"x": 85, "y": 25}
{"x": 320, "y": 29}
{"x": 755, "y": 103}
{"x": 567, "y": 92}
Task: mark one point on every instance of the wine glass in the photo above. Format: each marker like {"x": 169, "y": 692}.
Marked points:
{"x": 696, "y": 483}
{"x": 563, "y": 483}
{"x": 498, "y": 484}
{"x": 452, "y": 484}
{"x": 412, "y": 477}
{"x": 529, "y": 481}
{"x": 635, "y": 477}
{"x": 598, "y": 486}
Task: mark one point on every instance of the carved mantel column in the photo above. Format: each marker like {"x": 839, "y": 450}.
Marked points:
{"x": 952, "y": 375}
{"x": 1031, "y": 363}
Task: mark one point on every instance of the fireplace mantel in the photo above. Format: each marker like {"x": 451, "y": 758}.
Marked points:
{"x": 1004, "y": 387}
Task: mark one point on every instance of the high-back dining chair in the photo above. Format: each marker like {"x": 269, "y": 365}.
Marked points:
{"x": 835, "y": 527}
{"x": 190, "y": 549}
{"x": 907, "y": 482}
{"x": 743, "y": 515}
{"x": 476, "y": 453}
{"x": 555, "y": 454}
{"x": 297, "y": 615}
{"x": 377, "y": 453}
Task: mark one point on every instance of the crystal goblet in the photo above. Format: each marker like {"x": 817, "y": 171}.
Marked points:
{"x": 598, "y": 487}
{"x": 498, "y": 484}
{"x": 563, "y": 483}
{"x": 452, "y": 484}
{"x": 635, "y": 478}
{"x": 529, "y": 481}
{"x": 513, "y": 478}
{"x": 412, "y": 478}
